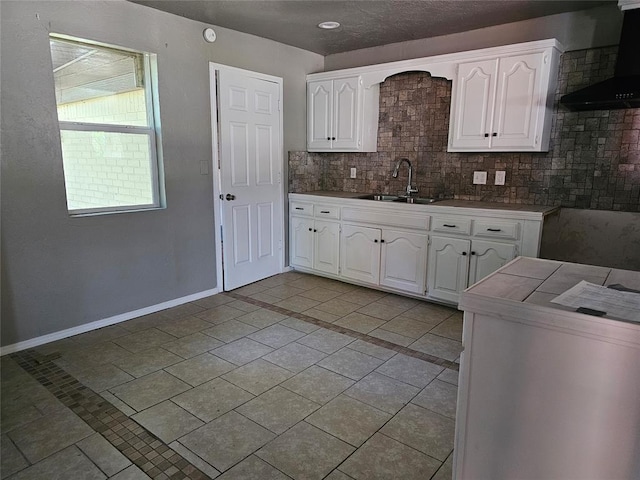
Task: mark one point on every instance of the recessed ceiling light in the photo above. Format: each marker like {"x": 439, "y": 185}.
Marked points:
{"x": 328, "y": 25}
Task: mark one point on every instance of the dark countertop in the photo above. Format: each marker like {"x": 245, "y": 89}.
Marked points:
{"x": 516, "y": 207}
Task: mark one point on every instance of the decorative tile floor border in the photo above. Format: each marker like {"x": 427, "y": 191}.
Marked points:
{"x": 347, "y": 331}
{"x": 140, "y": 446}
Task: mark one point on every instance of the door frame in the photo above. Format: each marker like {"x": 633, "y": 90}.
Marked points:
{"x": 215, "y": 161}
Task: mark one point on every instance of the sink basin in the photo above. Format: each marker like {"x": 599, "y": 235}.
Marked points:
{"x": 381, "y": 198}
{"x": 399, "y": 199}
{"x": 418, "y": 200}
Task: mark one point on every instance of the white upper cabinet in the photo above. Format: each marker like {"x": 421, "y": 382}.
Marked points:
{"x": 504, "y": 104}
{"x": 319, "y": 109}
{"x": 342, "y": 115}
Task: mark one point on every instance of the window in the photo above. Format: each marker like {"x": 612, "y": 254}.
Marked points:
{"x": 105, "y": 101}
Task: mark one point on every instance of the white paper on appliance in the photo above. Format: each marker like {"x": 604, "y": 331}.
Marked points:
{"x": 616, "y": 304}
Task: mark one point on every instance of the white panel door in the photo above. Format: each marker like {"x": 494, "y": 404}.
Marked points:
{"x": 404, "y": 261}
{"x": 448, "y": 267}
{"x": 472, "y": 105}
{"x": 250, "y": 172}
{"x": 319, "y": 112}
{"x": 327, "y": 246}
{"x": 487, "y": 257}
{"x": 360, "y": 253}
{"x": 518, "y": 101}
{"x": 345, "y": 113}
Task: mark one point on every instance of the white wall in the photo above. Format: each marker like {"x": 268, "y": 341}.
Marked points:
{"x": 59, "y": 272}
{"x": 596, "y": 27}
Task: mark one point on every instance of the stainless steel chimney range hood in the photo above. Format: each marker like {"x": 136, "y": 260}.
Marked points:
{"x": 623, "y": 90}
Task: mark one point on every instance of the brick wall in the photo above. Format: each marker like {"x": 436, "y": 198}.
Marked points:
{"x": 593, "y": 160}
{"x": 106, "y": 169}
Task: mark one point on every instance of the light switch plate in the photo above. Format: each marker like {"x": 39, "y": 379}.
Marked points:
{"x": 479, "y": 178}
{"x": 353, "y": 172}
{"x": 500, "y": 177}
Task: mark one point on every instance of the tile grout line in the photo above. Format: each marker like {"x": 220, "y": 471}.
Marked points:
{"x": 141, "y": 447}
{"x": 441, "y": 362}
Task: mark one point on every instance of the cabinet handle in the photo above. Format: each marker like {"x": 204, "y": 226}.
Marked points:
{"x": 315, "y": 230}
{"x": 382, "y": 241}
{"x": 375, "y": 241}
{"x": 448, "y": 225}
{"x": 311, "y": 229}
{"x": 325, "y": 211}
{"x": 299, "y": 208}
{"x": 494, "y": 229}
{"x": 464, "y": 253}
{"x": 494, "y": 134}
{"x": 486, "y": 135}
{"x": 333, "y": 138}
{"x": 473, "y": 253}
{"x": 328, "y": 138}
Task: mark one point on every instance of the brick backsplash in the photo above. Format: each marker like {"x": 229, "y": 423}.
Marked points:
{"x": 593, "y": 159}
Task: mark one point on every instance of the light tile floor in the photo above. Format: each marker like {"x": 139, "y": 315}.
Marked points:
{"x": 289, "y": 377}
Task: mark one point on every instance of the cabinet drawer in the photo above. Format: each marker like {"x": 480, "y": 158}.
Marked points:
{"x": 301, "y": 208}
{"x": 489, "y": 229}
{"x": 326, "y": 211}
{"x": 452, "y": 225}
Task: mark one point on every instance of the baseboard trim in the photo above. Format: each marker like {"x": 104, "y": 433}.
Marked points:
{"x": 105, "y": 322}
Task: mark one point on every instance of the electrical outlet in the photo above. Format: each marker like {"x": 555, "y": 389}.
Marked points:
{"x": 479, "y": 178}
{"x": 500, "y": 177}
{"x": 353, "y": 172}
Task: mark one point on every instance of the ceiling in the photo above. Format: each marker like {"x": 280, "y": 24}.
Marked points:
{"x": 364, "y": 23}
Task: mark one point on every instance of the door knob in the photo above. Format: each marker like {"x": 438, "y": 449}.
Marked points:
{"x": 230, "y": 197}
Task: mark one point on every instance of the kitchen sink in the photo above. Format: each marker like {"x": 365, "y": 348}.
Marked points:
{"x": 381, "y": 198}
{"x": 418, "y": 200}
{"x": 399, "y": 199}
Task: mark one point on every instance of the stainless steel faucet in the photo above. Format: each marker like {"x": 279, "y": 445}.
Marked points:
{"x": 410, "y": 189}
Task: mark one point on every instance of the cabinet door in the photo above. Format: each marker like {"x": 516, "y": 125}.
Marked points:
{"x": 319, "y": 113}
{"x": 404, "y": 261}
{"x": 360, "y": 253}
{"x": 448, "y": 267}
{"x": 301, "y": 242}
{"x": 327, "y": 244}
{"x": 518, "y": 102}
{"x": 472, "y": 105}
{"x": 487, "y": 257}
{"x": 345, "y": 114}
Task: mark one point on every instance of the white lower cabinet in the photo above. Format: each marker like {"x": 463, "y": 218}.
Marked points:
{"x": 487, "y": 257}
{"x": 386, "y": 257}
{"x": 456, "y": 263}
{"x": 315, "y": 244}
{"x": 424, "y": 251}
{"x": 360, "y": 248}
{"x": 404, "y": 261}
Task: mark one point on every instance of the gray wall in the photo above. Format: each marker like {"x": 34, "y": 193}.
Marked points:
{"x": 595, "y": 27}
{"x": 59, "y": 272}
{"x": 596, "y": 237}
